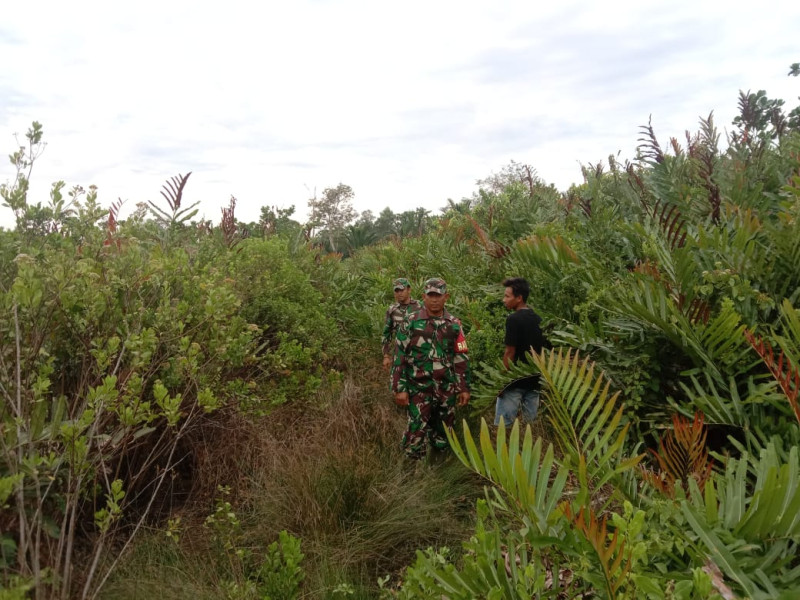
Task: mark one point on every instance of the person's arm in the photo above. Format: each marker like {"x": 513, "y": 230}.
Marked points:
{"x": 510, "y": 341}
{"x": 399, "y": 376}
{"x": 386, "y": 340}
{"x": 461, "y": 367}
{"x": 508, "y": 356}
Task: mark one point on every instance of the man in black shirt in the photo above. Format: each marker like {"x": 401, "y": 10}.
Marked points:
{"x": 523, "y": 335}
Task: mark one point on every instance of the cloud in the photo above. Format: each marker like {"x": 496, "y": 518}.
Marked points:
{"x": 409, "y": 105}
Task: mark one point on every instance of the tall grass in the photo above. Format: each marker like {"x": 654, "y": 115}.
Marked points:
{"x": 331, "y": 473}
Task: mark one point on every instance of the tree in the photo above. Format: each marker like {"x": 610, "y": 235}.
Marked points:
{"x": 386, "y": 223}
{"x": 332, "y": 212}
{"x": 413, "y": 222}
{"x": 277, "y": 221}
{"x": 366, "y": 218}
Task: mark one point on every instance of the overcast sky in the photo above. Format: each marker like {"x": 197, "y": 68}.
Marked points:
{"x": 408, "y": 103}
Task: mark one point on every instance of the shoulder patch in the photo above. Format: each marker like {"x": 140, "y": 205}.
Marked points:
{"x": 461, "y": 343}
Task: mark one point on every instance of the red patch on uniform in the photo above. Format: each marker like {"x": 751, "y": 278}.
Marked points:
{"x": 461, "y": 343}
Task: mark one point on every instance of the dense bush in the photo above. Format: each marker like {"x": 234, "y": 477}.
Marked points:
{"x": 122, "y": 344}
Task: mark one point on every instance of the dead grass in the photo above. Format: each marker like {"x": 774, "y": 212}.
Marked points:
{"x": 331, "y": 472}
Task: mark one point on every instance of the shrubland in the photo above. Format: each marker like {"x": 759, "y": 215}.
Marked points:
{"x": 192, "y": 409}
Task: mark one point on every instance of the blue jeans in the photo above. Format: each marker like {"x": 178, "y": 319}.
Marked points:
{"x": 509, "y": 402}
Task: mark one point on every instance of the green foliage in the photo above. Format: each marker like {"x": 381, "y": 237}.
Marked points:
{"x": 751, "y": 531}
{"x": 281, "y": 573}
{"x": 126, "y": 342}
{"x": 297, "y": 338}
{"x": 117, "y": 352}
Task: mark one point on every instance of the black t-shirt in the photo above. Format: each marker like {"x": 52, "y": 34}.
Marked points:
{"x": 522, "y": 332}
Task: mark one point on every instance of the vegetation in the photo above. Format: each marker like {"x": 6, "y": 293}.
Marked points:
{"x": 183, "y": 412}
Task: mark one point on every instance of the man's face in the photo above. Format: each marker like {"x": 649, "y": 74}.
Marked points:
{"x": 402, "y": 296}
{"x": 434, "y": 303}
{"x": 510, "y": 301}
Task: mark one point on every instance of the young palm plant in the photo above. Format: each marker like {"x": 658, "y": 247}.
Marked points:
{"x": 542, "y": 503}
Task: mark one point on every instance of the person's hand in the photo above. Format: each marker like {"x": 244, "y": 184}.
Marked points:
{"x": 401, "y": 398}
{"x": 386, "y": 362}
{"x": 463, "y": 399}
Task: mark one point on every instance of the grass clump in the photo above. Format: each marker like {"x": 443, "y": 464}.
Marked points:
{"x": 330, "y": 475}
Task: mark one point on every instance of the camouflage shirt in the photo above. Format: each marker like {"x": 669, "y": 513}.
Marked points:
{"x": 394, "y": 318}
{"x": 431, "y": 352}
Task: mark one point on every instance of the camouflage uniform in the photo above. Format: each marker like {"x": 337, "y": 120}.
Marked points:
{"x": 432, "y": 366}
{"x": 395, "y": 316}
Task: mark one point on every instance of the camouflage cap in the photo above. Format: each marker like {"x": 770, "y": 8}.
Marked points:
{"x": 400, "y": 283}
{"x": 435, "y": 285}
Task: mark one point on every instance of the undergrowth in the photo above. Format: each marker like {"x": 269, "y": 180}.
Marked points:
{"x": 331, "y": 475}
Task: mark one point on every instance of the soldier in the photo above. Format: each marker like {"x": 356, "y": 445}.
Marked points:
{"x": 431, "y": 371}
{"x": 403, "y": 304}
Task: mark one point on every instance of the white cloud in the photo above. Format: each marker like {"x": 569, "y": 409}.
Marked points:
{"x": 408, "y": 104}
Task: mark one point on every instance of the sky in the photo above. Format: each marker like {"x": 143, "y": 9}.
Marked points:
{"x": 408, "y": 103}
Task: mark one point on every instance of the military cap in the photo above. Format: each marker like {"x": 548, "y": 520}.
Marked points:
{"x": 435, "y": 285}
{"x": 400, "y": 283}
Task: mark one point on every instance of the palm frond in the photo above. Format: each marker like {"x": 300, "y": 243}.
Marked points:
{"x": 497, "y": 565}
{"x": 790, "y": 339}
{"x": 649, "y": 147}
{"x": 784, "y": 371}
{"x": 672, "y": 224}
{"x": 751, "y": 530}
{"x": 173, "y": 190}
{"x": 551, "y": 255}
{"x": 586, "y": 416}
{"x": 682, "y": 455}
{"x": 531, "y": 480}
{"x": 610, "y": 553}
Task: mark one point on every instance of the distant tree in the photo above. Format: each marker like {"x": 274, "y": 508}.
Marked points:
{"x": 277, "y": 221}
{"x": 760, "y": 118}
{"x": 332, "y": 212}
{"x": 359, "y": 235}
{"x": 462, "y": 207}
{"x": 794, "y": 116}
{"x": 511, "y": 173}
{"x": 386, "y": 224}
{"x": 413, "y": 222}
{"x": 366, "y": 218}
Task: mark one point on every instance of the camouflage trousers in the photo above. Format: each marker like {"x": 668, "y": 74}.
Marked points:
{"x": 430, "y": 412}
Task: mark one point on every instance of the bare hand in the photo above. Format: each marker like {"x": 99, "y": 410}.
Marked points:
{"x": 463, "y": 399}
{"x": 386, "y": 362}
{"x": 401, "y": 398}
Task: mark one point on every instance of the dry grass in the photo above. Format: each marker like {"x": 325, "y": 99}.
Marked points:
{"x": 330, "y": 472}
